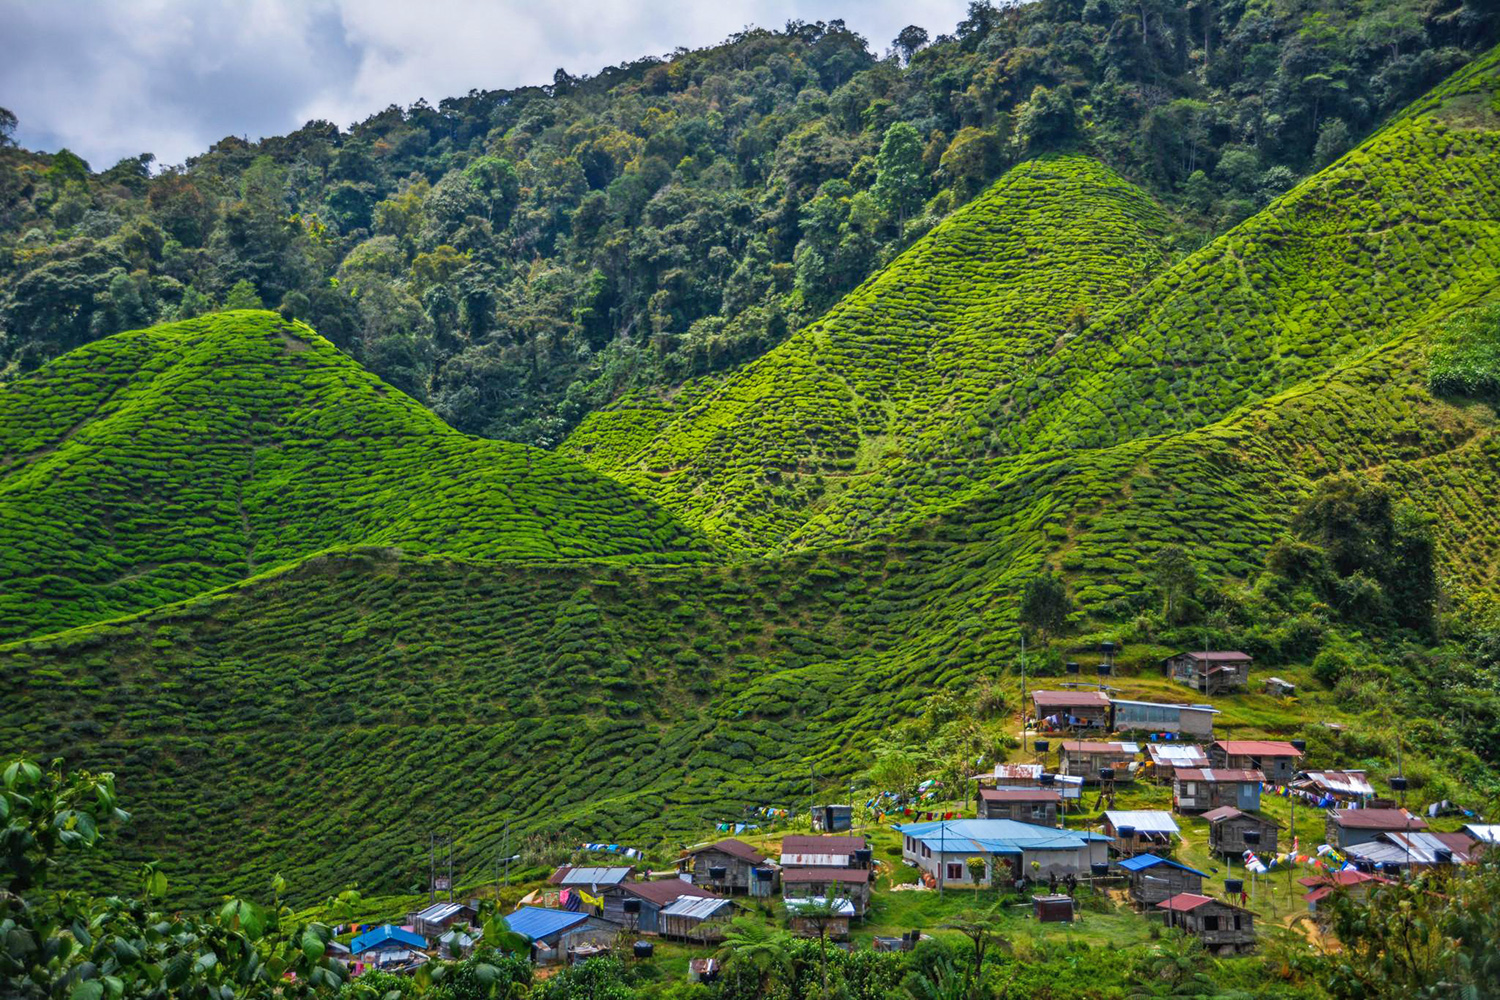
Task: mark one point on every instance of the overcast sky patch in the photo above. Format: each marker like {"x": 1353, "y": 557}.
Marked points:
{"x": 171, "y": 77}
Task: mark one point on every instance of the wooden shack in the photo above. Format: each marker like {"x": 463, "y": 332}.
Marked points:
{"x": 1153, "y": 878}
{"x": 696, "y": 918}
{"x": 803, "y": 851}
{"x": 638, "y": 905}
{"x": 1210, "y": 672}
{"x": 1197, "y": 789}
{"x": 1357, "y": 884}
{"x": 1024, "y": 805}
{"x": 1226, "y": 831}
{"x": 1138, "y": 831}
{"x": 832, "y": 818}
{"x": 1277, "y": 759}
{"x": 848, "y": 883}
{"x": 737, "y": 859}
{"x": 1085, "y": 759}
{"x": 835, "y": 925}
{"x": 1222, "y": 927}
{"x": 1070, "y": 710}
{"x": 1280, "y": 688}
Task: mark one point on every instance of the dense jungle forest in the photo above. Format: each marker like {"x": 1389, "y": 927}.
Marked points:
{"x": 516, "y": 259}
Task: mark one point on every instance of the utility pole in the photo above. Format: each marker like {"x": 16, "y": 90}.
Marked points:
{"x": 1023, "y": 693}
{"x": 812, "y": 796}
{"x": 431, "y": 867}
{"x": 942, "y": 854}
{"x": 507, "y": 853}
{"x": 450, "y": 867}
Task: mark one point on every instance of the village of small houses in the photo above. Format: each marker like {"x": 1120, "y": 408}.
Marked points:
{"x": 1133, "y": 803}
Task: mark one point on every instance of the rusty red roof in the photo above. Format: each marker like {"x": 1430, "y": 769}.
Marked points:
{"x": 1086, "y": 746}
{"x": 1230, "y": 812}
{"x": 1220, "y": 656}
{"x": 1019, "y": 795}
{"x": 801, "y": 843}
{"x": 1185, "y": 901}
{"x": 735, "y": 849}
{"x": 1258, "y": 748}
{"x": 664, "y": 891}
{"x": 1377, "y": 819}
{"x": 1213, "y": 775}
{"x": 848, "y": 876}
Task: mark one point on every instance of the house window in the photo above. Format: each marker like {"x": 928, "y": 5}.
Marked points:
{"x": 1189, "y": 788}
{"x": 1210, "y": 923}
{"x": 955, "y": 871}
{"x": 1236, "y": 921}
{"x": 926, "y": 852}
{"x": 1038, "y": 812}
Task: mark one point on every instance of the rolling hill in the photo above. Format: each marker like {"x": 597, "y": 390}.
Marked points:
{"x": 157, "y": 464}
{"x": 1036, "y": 382}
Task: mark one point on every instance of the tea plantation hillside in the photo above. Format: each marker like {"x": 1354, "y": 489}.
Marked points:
{"x": 1401, "y": 231}
{"x": 914, "y": 350}
{"x": 153, "y": 465}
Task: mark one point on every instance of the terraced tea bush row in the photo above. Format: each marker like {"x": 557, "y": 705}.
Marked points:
{"x": 157, "y": 464}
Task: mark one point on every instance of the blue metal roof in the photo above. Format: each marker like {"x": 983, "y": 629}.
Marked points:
{"x": 1143, "y": 861}
{"x": 996, "y": 836}
{"x": 536, "y": 923}
{"x": 386, "y": 933}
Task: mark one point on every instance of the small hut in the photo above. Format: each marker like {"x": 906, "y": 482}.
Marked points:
{"x": 1153, "y": 879}
{"x": 1224, "y": 928}
{"x": 1227, "y": 826}
{"x": 811, "y": 924}
{"x": 1137, "y": 831}
{"x": 696, "y": 918}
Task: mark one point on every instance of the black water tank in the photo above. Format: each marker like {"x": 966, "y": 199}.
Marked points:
{"x": 1398, "y": 784}
{"x": 644, "y": 949}
{"x": 1252, "y": 837}
{"x": 1106, "y": 774}
{"x": 1072, "y": 666}
{"x": 1107, "y": 647}
{"x": 631, "y": 905}
{"x": 1042, "y": 746}
{"x": 1103, "y": 669}
{"x": 1233, "y": 886}
{"x": 718, "y": 874}
{"x": 1099, "y": 869}
{"x": 1443, "y": 856}
{"x": 1125, "y": 832}
{"x": 1391, "y": 868}
{"x": 764, "y": 874}
{"x": 863, "y": 857}
{"x": 1299, "y": 745}
{"x": 1047, "y": 780}
{"x": 1364, "y": 866}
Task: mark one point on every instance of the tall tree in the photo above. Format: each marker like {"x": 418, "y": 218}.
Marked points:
{"x": 900, "y": 180}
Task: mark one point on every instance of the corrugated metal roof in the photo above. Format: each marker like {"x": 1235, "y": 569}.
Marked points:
{"x": 733, "y": 848}
{"x": 438, "y": 912}
{"x": 847, "y": 875}
{"x": 995, "y": 836}
{"x": 1180, "y": 755}
{"x": 1488, "y": 833}
{"x": 536, "y": 922}
{"x": 1020, "y": 795}
{"x": 1184, "y": 901}
{"x": 1143, "y": 861}
{"x": 802, "y": 843}
{"x": 1377, "y": 819}
{"x": 1144, "y": 820}
{"x": 1087, "y": 746}
{"x": 387, "y": 934}
{"x": 1338, "y": 782}
{"x": 1221, "y": 656}
{"x": 842, "y": 907}
{"x": 1071, "y": 699}
{"x": 815, "y": 861}
{"x": 1258, "y": 748}
{"x": 696, "y": 907}
{"x": 595, "y": 876}
{"x": 1167, "y": 704}
{"x": 1213, "y": 776}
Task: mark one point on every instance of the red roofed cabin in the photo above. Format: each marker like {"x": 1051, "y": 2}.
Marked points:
{"x": 1356, "y": 883}
{"x": 739, "y": 862}
{"x": 1024, "y": 805}
{"x": 1199, "y": 789}
{"x": 1277, "y": 759}
{"x": 1210, "y": 672}
{"x": 1071, "y": 709}
{"x": 852, "y": 884}
{"x": 1224, "y": 929}
{"x": 1351, "y": 827}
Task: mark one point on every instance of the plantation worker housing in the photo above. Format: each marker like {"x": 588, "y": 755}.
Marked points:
{"x": 1010, "y": 850}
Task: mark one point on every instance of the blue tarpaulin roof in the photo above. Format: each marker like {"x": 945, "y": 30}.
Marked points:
{"x": 536, "y": 923}
{"x": 1143, "y": 861}
{"x": 996, "y": 836}
{"x": 386, "y": 933}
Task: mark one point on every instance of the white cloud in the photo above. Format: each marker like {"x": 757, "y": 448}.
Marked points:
{"x": 173, "y": 76}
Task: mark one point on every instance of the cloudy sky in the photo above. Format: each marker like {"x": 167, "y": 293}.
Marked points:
{"x": 112, "y": 78}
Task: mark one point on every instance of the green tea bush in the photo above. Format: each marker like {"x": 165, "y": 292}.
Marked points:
{"x": 1465, "y": 359}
